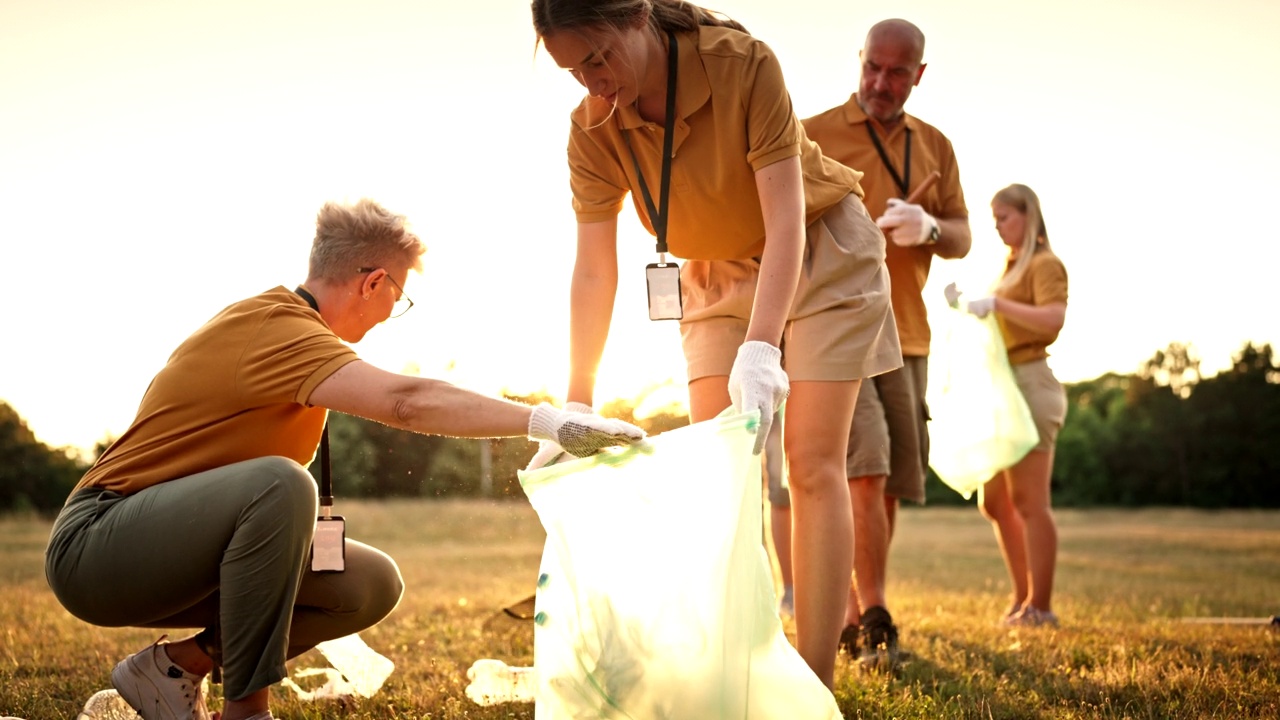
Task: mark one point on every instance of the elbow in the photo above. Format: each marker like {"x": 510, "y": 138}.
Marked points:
{"x": 414, "y": 407}
{"x": 1057, "y": 318}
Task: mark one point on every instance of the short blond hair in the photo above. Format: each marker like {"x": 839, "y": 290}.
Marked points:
{"x": 360, "y": 235}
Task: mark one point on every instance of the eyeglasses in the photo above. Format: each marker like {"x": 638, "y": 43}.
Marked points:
{"x": 403, "y": 304}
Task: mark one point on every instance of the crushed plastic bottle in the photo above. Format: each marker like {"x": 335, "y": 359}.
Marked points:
{"x": 357, "y": 670}
{"x": 107, "y": 705}
{"x": 493, "y": 682}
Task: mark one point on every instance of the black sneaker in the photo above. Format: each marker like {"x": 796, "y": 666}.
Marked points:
{"x": 849, "y": 641}
{"x": 879, "y": 639}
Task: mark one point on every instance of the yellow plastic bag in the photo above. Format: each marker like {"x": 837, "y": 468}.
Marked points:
{"x": 655, "y": 596}
{"x": 979, "y": 420}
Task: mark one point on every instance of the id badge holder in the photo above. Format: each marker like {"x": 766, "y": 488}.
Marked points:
{"x": 662, "y": 279}
{"x": 329, "y": 546}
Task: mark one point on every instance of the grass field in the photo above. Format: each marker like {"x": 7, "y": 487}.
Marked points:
{"x": 1125, "y": 580}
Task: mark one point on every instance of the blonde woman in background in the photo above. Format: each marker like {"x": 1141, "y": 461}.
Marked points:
{"x": 1030, "y": 303}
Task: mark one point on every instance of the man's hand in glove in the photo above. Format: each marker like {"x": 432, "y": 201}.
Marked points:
{"x": 580, "y": 434}
{"x": 757, "y": 382}
{"x": 907, "y": 224}
{"x": 549, "y": 451}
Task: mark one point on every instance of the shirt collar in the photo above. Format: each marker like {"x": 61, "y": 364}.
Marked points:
{"x": 693, "y": 90}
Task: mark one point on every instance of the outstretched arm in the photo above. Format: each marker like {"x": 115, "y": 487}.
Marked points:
{"x": 435, "y": 407}
{"x": 422, "y": 405}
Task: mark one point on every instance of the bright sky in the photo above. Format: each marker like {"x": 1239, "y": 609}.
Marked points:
{"x": 161, "y": 160}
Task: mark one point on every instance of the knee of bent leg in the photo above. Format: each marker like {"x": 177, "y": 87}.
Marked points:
{"x": 287, "y": 488}
{"x": 381, "y": 585}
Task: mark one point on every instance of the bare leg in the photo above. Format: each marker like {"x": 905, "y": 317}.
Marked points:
{"x": 1029, "y": 482}
{"x": 818, "y": 417}
{"x": 997, "y": 506}
{"x": 870, "y": 545}
{"x": 780, "y": 522}
{"x": 817, "y": 433}
{"x": 779, "y": 511}
{"x": 891, "y": 513}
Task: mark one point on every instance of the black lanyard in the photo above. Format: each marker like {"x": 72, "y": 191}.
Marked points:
{"x": 902, "y": 181}
{"x": 326, "y": 479}
{"x": 658, "y": 215}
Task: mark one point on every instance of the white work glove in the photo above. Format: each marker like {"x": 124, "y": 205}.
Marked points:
{"x": 980, "y": 307}
{"x": 953, "y": 295}
{"x": 757, "y": 382}
{"x": 549, "y": 451}
{"x": 906, "y": 224}
{"x": 580, "y": 434}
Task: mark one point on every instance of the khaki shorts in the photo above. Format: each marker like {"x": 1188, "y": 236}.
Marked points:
{"x": 890, "y": 432}
{"x": 841, "y": 324}
{"x": 1046, "y": 398}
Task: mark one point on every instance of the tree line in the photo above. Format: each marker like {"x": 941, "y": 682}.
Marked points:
{"x": 1163, "y": 436}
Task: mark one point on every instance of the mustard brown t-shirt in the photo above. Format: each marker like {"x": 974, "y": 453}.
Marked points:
{"x": 842, "y": 134}
{"x": 236, "y": 389}
{"x": 733, "y": 117}
{"x": 1043, "y": 282}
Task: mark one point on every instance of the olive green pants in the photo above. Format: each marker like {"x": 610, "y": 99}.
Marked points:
{"x": 231, "y": 544}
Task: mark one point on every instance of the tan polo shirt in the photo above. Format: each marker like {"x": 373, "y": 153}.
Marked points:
{"x": 1044, "y": 282}
{"x": 842, "y": 134}
{"x": 235, "y": 390}
{"x": 733, "y": 117}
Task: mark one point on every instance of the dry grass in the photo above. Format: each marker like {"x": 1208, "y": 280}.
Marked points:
{"x": 1125, "y": 580}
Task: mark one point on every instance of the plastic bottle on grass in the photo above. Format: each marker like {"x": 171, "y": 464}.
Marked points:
{"x": 107, "y": 705}
{"x": 493, "y": 682}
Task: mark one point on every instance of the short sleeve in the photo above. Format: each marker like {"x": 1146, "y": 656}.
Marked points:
{"x": 773, "y": 130}
{"x": 596, "y": 178}
{"x": 1049, "y": 281}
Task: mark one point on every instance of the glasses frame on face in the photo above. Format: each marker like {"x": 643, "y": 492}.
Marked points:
{"x": 403, "y": 297}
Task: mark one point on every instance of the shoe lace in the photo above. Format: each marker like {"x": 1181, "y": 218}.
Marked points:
{"x": 192, "y": 692}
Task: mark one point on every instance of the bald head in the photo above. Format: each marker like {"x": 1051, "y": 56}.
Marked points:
{"x": 900, "y": 33}
{"x": 891, "y": 67}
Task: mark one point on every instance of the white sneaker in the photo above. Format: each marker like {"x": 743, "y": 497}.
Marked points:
{"x": 157, "y": 688}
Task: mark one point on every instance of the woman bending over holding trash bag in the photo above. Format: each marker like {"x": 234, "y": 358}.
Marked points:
{"x": 784, "y": 268}
{"x": 1030, "y": 303}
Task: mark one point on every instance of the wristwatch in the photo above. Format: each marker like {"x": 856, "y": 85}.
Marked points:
{"x": 934, "y": 234}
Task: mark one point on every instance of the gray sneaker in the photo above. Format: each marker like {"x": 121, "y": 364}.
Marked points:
{"x": 157, "y": 688}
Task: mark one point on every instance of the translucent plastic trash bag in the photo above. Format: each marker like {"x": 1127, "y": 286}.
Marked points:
{"x": 979, "y": 420}
{"x": 655, "y": 595}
